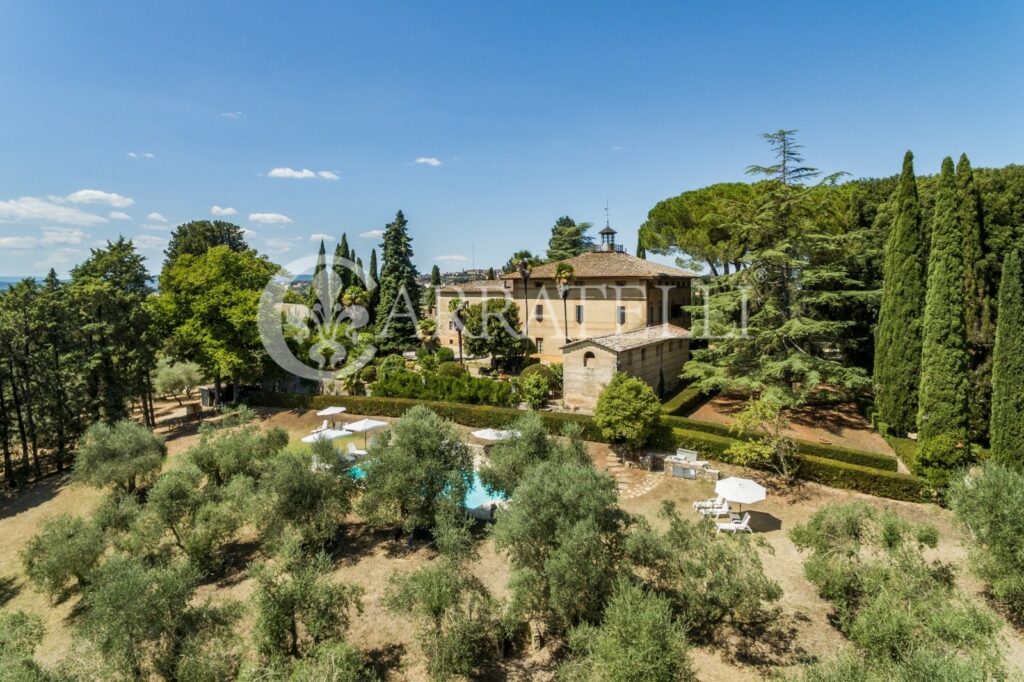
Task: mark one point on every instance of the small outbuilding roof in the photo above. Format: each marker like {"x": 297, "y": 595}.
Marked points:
{"x": 634, "y": 339}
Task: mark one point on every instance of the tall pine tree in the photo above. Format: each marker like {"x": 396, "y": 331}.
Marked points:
{"x": 942, "y": 409}
{"x": 398, "y": 309}
{"x": 977, "y": 287}
{"x": 373, "y": 284}
{"x": 1007, "y": 425}
{"x": 435, "y": 276}
{"x": 898, "y": 334}
{"x": 568, "y": 239}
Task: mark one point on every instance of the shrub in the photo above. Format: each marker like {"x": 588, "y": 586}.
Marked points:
{"x": 988, "y": 505}
{"x": 125, "y": 455}
{"x": 66, "y": 547}
{"x": 178, "y": 379}
{"x": 510, "y": 459}
{"x": 684, "y": 401}
{"x": 20, "y": 636}
{"x": 450, "y": 368}
{"x": 535, "y": 390}
{"x": 939, "y": 457}
{"x": 557, "y": 376}
{"x": 390, "y": 364}
{"x": 460, "y": 389}
{"x": 225, "y": 453}
{"x": 541, "y": 370}
{"x": 445, "y": 355}
{"x": 638, "y": 640}
{"x": 627, "y": 411}
{"x": 368, "y": 374}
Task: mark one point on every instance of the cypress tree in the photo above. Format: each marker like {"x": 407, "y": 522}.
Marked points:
{"x": 1007, "y": 425}
{"x": 490, "y": 273}
{"x": 944, "y": 368}
{"x": 898, "y": 334}
{"x": 641, "y": 252}
{"x": 980, "y": 332}
{"x": 318, "y": 291}
{"x": 435, "y": 276}
{"x": 399, "y": 293}
{"x": 373, "y": 281}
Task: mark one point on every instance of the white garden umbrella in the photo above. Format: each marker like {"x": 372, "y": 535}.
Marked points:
{"x": 326, "y": 434}
{"x": 364, "y": 426}
{"x": 494, "y": 435}
{"x": 331, "y": 411}
{"x": 740, "y": 490}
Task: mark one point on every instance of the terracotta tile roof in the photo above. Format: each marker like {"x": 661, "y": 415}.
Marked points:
{"x": 634, "y": 339}
{"x": 605, "y": 264}
{"x": 493, "y": 286}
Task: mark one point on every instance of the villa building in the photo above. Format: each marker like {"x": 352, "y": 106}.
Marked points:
{"x": 604, "y": 311}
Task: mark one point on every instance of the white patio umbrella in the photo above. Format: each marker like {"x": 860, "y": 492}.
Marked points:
{"x": 740, "y": 490}
{"x": 326, "y": 434}
{"x": 494, "y": 435}
{"x": 331, "y": 411}
{"x": 364, "y": 426}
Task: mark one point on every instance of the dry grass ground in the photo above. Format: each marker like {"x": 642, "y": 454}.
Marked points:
{"x": 799, "y": 630}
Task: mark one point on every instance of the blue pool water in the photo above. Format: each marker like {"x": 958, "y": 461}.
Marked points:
{"x": 476, "y": 496}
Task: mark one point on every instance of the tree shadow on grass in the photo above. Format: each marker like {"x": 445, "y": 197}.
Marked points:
{"x": 386, "y": 659}
{"x": 9, "y": 589}
{"x": 237, "y": 557}
{"x": 769, "y": 642}
{"x": 32, "y": 495}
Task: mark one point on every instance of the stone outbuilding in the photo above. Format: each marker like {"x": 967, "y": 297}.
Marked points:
{"x": 649, "y": 353}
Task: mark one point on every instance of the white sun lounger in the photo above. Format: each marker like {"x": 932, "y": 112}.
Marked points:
{"x": 736, "y": 525}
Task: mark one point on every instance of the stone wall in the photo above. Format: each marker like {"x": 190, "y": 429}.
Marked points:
{"x": 582, "y": 384}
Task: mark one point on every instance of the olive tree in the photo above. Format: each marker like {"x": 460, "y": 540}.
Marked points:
{"x": 67, "y": 547}
{"x": 412, "y": 468}
{"x": 125, "y": 455}
{"x": 627, "y": 411}
{"x": 510, "y": 459}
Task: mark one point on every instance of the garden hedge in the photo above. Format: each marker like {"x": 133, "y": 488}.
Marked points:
{"x": 684, "y": 402}
{"x": 828, "y": 470}
{"x": 864, "y": 458}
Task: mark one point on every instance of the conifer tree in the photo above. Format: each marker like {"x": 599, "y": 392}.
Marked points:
{"x": 568, "y": 239}
{"x": 435, "y": 276}
{"x": 898, "y": 334}
{"x": 490, "y": 273}
{"x": 1007, "y": 425}
{"x": 399, "y": 292}
{"x": 943, "y": 393}
{"x": 980, "y": 331}
{"x": 641, "y": 252}
{"x": 373, "y": 283}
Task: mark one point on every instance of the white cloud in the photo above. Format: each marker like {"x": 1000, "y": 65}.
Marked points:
{"x": 219, "y": 210}
{"x": 278, "y": 244}
{"x": 304, "y": 174}
{"x": 33, "y": 208}
{"x": 372, "y": 234}
{"x": 291, "y": 173}
{"x": 18, "y": 242}
{"x": 156, "y": 217}
{"x": 144, "y": 155}
{"x": 95, "y": 196}
{"x": 428, "y": 160}
{"x": 454, "y": 258}
{"x": 616, "y": 148}
{"x": 51, "y": 236}
{"x": 155, "y": 227}
{"x": 56, "y": 257}
{"x": 320, "y": 236}
{"x": 62, "y": 235}
{"x": 148, "y": 242}
{"x": 233, "y": 115}
{"x": 269, "y": 218}
{"x": 119, "y": 215}
{"x": 246, "y": 232}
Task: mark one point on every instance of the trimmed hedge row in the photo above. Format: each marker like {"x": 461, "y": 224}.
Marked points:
{"x": 873, "y": 460}
{"x": 906, "y": 450}
{"x": 683, "y": 402}
{"x": 483, "y": 416}
{"x": 829, "y": 472}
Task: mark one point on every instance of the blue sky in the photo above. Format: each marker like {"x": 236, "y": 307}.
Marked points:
{"x": 130, "y": 117}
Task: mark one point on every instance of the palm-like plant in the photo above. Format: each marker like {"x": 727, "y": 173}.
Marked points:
{"x": 458, "y": 307}
{"x": 564, "y": 274}
{"x": 426, "y": 332}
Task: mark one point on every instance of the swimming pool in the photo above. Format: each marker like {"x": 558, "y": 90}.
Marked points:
{"x": 476, "y": 496}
